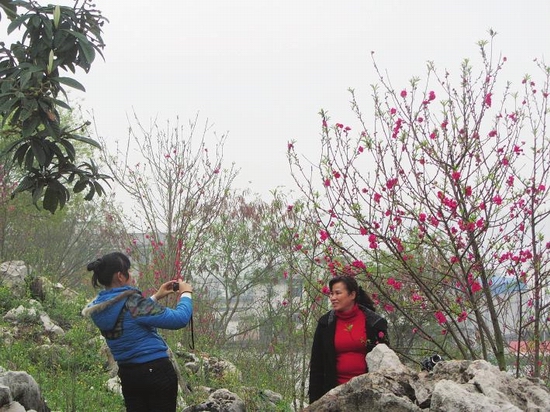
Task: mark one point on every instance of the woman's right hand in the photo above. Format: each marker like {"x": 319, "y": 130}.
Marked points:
{"x": 184, "y": 287}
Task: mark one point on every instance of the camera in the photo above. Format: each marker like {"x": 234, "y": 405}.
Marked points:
{"x": 175, "y": 286}
{"x": 429, "y": 363}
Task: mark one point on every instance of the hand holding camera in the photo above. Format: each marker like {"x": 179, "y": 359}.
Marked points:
{"x": 172, "y": 286}
{"x": 181, "y": 287}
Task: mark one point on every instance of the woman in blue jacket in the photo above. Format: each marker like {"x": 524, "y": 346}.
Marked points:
{"x": 128, "y": 321}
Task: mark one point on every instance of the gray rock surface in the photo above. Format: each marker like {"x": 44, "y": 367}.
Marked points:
{"x": 452, "y": 386}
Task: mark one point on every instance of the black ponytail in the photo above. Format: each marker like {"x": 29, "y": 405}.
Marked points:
{"x": 106, "y": 266}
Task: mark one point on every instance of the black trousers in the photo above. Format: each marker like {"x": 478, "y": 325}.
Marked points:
{"x": 149, "y": 387}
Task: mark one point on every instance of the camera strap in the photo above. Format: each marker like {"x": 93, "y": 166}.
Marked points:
{"x": 192, "y": 344}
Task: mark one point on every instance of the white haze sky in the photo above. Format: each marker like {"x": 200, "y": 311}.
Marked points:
{"x": 262, "y": 70}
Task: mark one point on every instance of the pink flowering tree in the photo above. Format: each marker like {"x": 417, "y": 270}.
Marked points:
{"x": 438, "y": 203}
{"x": 176, "y": 189}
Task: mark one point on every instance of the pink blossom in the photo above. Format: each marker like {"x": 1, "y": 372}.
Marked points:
{"x": 455, "y": 175}
{"x": 395, "y": 284}
{"x": 497, "y": 200}
{"x": 462, "y": 317}
{"x": 377, "y": 197}
{"x": 441, "y": 319}
{"x": 393, "y": 110}
{"x": 397, "y": 128}
{"x": 415, "y": 297}
{"x": 327, "y": 182}
{"x": 363, "y": 231}
{"x": 403, "y": 93}
{"x": 388, "y": 308}
{"x": 290, "y": 146}
{"x": 434, "y": 221}
{"x": 488, "y": 101}
{"x": 422, "y": 217}
{"x": 358, "y": 264}
{"x": 475, "y": 286}
{"x": 323, "y": 235}
{"x": 360, "y": 149}
{"x": 492, "y": 133}
{"x": 431, "y": 96}
{"x": 468, "y": 191}
{"x": 372, "y": 238}
{"x": 285, "y": 275}
{"x": 325, "y": 290}
{"x": 391, "y": 183}
{"x": 336, "y": 174}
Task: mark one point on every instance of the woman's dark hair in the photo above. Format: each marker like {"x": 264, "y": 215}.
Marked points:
{"x": 106, "y": 266}
{"x": 361, "y": 297}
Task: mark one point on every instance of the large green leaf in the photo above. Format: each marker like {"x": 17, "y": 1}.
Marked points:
{"x": 17, "y": 22}
{"x": 84, "y": 45}
{"x": 70, "y": 82}
{"x": 80, "y": 185}
{"x": 9, "y": 8}
{"x": 87, "y": 140}
{"x": 26, "y": 184}
{"x": 39, "y": 151}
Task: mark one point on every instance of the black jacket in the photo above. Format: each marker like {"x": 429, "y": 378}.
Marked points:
{"x": 322, "y": 373}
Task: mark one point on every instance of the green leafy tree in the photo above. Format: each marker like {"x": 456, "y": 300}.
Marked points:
{"x": 57, "y": 246}
{"x": 55, "y": 39}
{"x": 237, "y": 266}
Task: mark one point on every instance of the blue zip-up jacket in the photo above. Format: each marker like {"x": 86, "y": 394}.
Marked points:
{"x": 129, "y": 323}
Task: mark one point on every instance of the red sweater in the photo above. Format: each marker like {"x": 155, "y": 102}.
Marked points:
{"x": 350, "y": 342}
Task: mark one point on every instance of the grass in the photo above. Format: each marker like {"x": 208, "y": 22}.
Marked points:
{"x": 71, "y": 370}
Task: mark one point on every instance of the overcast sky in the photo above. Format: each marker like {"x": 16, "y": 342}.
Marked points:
{"x": 262, "y": 70}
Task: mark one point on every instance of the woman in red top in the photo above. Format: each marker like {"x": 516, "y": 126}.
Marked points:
{"x": 343, "y": 337}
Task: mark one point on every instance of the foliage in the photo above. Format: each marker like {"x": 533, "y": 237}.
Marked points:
{"x": 70, "y": 369}
{"x": 237, "y": 267}
{"x": 55, "y": 39}
{"x": 60, "y": 245}
{"x": 440, "y": 206}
